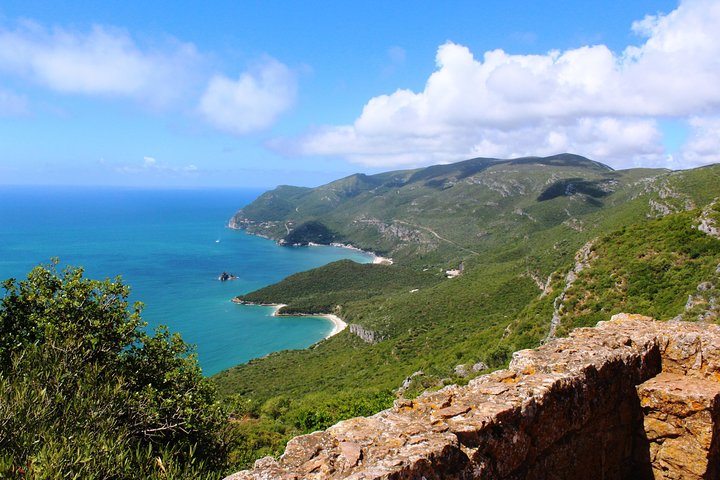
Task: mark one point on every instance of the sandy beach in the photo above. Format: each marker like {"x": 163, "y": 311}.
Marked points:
{"x": 338, "y": 324}
{"x": 382, "y": 260}
{"x": 377, "y": 259}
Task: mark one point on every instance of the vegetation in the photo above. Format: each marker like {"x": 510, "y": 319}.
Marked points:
{"x": 437, "y": 216}
{"x": 515, "y": 226}
{"x": 650, "y": 268}
{"x": 322, "y": 289}
{"x": 85, "y": 392}
{"x": 310, "y": 232}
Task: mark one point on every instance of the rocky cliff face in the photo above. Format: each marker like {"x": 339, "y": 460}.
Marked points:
{"x": 631, "y": 398}
{"x": 367, "y": 335}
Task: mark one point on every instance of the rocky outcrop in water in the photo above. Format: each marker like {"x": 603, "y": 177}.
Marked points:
{"x": 629, "y": 399}
{"x": 225, "y": 276}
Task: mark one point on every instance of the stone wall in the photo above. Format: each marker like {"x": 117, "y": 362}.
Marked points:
{"x": 630, "y": 398}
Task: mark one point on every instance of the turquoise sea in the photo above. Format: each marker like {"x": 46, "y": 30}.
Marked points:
{"x": 169, "y": 246}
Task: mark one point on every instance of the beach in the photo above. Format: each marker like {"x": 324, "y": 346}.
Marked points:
{"x": 338, "y": 324}
{"x": 378, "y": 260}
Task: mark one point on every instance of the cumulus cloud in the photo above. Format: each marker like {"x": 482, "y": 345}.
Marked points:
{"x": 703, "y": 146}
{"x": 108, "y": 61}
{"x": 588, "y": 100}
{"x": 102, "y": 61}
{"x": 252, "y": 102}
{"x": 151, "y": 166}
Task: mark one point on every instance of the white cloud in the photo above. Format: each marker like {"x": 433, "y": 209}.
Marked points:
{"x": 252, "y": 102}
{"x": 636, "y": 139}
{"x": 102, "y": 61}
{"x": 108, "y": 61}
{"x": 703, "y": 146}
{"x": 587, "y": 100}
{"x": 151, "y": 166}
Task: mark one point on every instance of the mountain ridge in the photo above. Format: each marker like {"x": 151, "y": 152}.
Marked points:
{"x": 389, "y": 212}
{"x": 518, "y": 228}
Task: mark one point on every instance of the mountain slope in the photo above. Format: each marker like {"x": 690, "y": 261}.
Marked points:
{"x": 546, "y": 244}
{"x": 445, "y": 213}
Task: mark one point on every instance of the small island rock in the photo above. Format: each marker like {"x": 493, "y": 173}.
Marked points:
{"x": 225, "y": 276}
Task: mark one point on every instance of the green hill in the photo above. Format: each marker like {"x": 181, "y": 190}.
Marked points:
{"x": 445, "y": 213}
{"x": 546, "y": 244}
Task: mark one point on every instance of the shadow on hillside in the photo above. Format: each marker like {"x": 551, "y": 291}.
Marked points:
{"x": 571, "y": 186}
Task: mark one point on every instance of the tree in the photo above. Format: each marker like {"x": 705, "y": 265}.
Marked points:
{"x": 86, "y": 392}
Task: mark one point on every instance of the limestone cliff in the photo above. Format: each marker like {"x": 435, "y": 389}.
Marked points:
{"x": 631, "y": 398}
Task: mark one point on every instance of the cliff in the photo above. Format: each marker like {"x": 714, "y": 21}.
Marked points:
{"x": 630, "y": 398}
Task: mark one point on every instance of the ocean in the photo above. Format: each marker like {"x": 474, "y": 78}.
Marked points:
{"x": 169, "y": 246}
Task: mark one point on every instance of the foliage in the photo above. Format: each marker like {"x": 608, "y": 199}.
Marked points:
{"x": 86, "y": 393}
{"x": 514, "y": 225}
{"x": 264, "y": 430}
{"x": 439, "y": 215}
{"x": 321, "y": 289}
{"x": 310, "y": 232}
{"x": 650, "y": 268}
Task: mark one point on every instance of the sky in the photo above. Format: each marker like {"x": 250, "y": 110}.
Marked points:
{"x": 261, "y": 93}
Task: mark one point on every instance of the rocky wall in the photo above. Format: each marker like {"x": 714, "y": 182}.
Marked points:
{"x": 569, "y": 409}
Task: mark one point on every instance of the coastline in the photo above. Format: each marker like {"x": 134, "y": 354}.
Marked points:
{"x": 376, "y": 259}
{"x": 338, "y": 323}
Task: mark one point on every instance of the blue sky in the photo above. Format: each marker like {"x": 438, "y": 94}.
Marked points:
{"x": 255, "y": 94}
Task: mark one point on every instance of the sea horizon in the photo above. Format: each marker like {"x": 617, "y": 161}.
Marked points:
{"x": 169, "y": 245}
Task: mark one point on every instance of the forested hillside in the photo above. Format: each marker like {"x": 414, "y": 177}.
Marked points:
{"x": 539, "y": 246}
{"x": 544, "y": 245}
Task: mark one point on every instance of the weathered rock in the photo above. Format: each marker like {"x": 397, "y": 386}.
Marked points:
{"x": 408, "y": 381}
{"x": 681, "y": 426}
{"x": 583, "y": 257}
{"x": 569, "y": 409}
{"x": 707, "y": 221}
{"x": 365, "y": 334}
{"x": 479, "y": 367}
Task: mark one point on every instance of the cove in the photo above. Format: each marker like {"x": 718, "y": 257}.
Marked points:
{"x": 169, "y": 246}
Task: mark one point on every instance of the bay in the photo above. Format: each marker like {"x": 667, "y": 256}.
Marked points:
{"x": 169, "y": 246}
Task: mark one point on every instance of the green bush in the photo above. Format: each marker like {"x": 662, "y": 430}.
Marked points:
{"x": 85, "y": 392}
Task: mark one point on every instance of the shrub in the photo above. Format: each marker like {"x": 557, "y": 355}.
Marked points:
{"x": 85, "y": 392}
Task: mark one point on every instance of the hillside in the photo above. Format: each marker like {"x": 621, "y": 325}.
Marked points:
{"x": 546, "y": 244}
{"x": 445, "y": 213}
